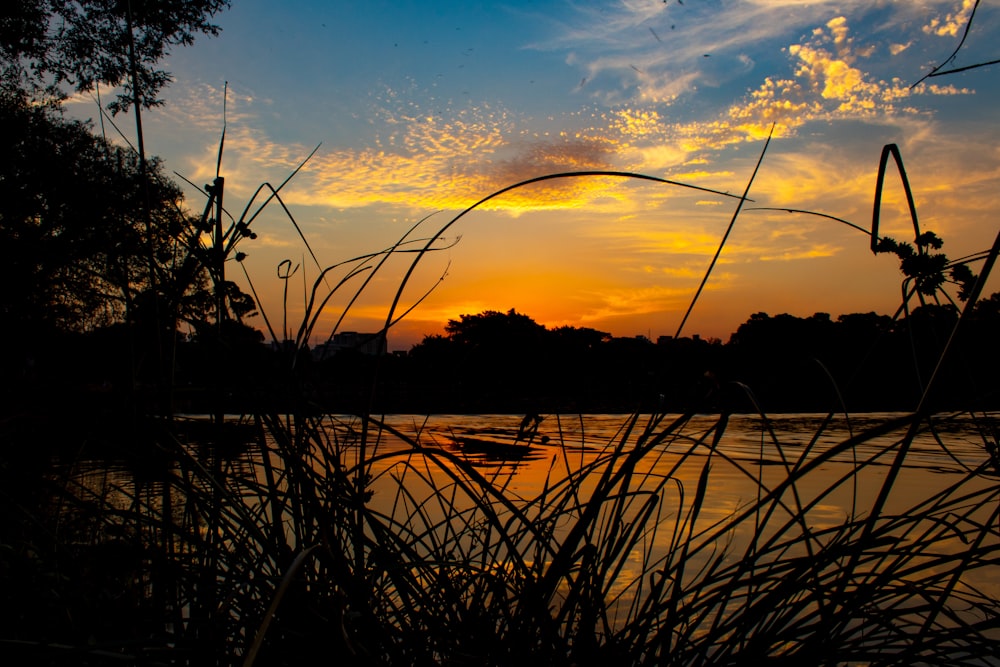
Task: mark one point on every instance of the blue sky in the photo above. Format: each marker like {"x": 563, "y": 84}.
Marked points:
{"x": 423, "y": 108}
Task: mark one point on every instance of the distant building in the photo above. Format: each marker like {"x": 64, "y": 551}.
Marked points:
{"x": 365, "y": 343}
{"x": 670, "y": 340}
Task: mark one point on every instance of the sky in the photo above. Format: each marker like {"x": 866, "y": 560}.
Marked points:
{"x": 421, "y": 109}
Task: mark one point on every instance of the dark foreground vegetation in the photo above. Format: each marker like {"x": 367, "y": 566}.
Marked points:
{"x": 258, "y": 538}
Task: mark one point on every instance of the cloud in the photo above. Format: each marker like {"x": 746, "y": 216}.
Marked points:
{"x": 819, "y": 250}
{"x": 566, "y": 153}
{"x": 423, "y": 154}
{"x": 657, "y": 49}
{"x": 836, "y": 79}
{"x": 695, "y": 176}
{"x": 637, "y": 123}
{"x": 952, "y": 23}
{"x": 89, "y": 98}
{"x": 421, "y": 161}
{"x": 626, "y": 66}
{"x": 826, "y": 83}
{"x": 612, "y": 303}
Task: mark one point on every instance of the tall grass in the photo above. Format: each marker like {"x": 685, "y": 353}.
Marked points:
{"x": 275, "y": 551}
{"x": 616, "y": 561}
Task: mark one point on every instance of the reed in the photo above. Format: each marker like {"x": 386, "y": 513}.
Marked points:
{"x": 276, "y": 551}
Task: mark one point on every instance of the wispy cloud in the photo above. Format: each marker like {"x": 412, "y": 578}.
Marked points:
{"x": 615, "y": 303}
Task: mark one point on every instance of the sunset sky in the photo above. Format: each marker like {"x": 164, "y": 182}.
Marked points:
{"x": 422, "y": 108}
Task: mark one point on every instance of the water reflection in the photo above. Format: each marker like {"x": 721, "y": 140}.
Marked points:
{"x": 555, "y": 446}
{"x": 953, "y": 445}
{"x": 752, "y": 457}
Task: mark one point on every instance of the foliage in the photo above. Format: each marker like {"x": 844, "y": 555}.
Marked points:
{"x": 91, "y": 240}
{"x": 45, "y": 44}
{"x": 922, "y": 268}
{"x": 84, "y": 233}
{"x": 927, "y": 269}
{"x": 494, "y": 329}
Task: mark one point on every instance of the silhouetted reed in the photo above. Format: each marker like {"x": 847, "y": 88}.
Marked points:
{"x": 278, "y": 551}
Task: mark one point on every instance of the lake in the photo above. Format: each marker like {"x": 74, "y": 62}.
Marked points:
{"x": 717, "y": 508}
{"x": 752, "y": 455}
{"x": 955, "y": 445}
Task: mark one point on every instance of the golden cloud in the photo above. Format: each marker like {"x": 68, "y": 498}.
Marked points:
{"x": 426, "y": 162}
{"x": 613, "y": 303}
{"x": 422, "y": 160}
{"x": 702, "y": 175}
{"x": 935, "y": 89}
{"x": 826, "y": 85}
{"x": 839, "y": 31}
{"x": 952, "y": 23}
{"x": 636, "y": 123}
{"x": 666, "y": 240}
{"x": 813, "y": 252}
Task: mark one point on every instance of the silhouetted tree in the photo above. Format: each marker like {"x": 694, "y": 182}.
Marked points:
{"x": 578, "y": 339}
{"x": 48, "y": 44}
{"x": 89, "y": 239}
{"x": 988, "y": 309}
{"x": 501, "y": 353}
{"x": 74, "y": 242}
{"x": 494, "y": 330}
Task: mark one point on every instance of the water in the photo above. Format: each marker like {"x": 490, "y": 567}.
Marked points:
{"x": 428, "y": 485}
{"x": 745, "y": 434}
{"x": 751, "y": 459}
{"x": 752, "y": 456}
{"x": 954, "y": 445}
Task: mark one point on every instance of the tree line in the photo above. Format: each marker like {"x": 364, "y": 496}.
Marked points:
{"x": 507, "y": 362}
